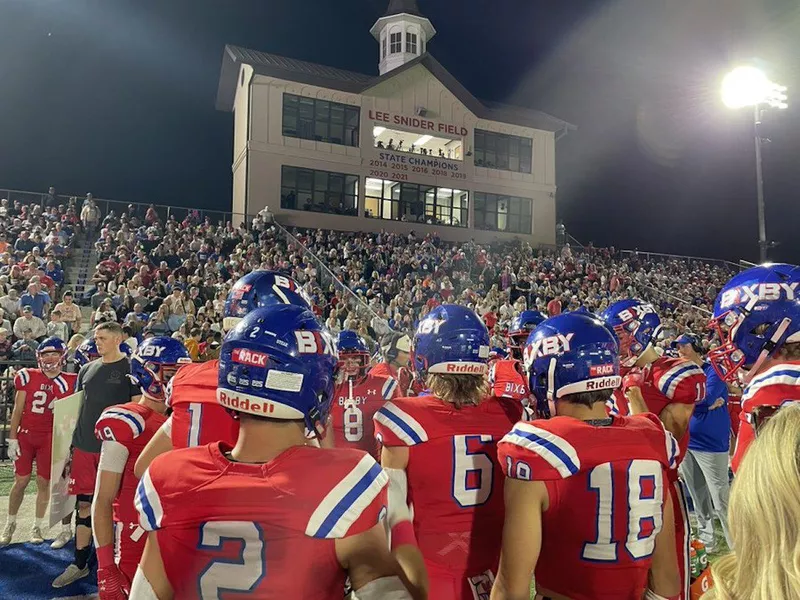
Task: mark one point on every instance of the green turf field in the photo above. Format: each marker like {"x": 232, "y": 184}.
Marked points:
{"x": 7, "y": 480}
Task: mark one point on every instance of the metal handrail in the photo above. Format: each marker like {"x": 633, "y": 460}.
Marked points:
{"x": 682, "y": 257}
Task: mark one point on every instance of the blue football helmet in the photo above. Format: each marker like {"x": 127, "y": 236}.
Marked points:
{"x": 155, "y": 362}
{"x": 353, "y": 354}
{"x": 451, "y": 339}
{"x": 636, "y": 324}
{"x": 51, "y": 354}
{"x": 280, "y": 363}
{"x": 498, "y": 353}
{"x": 258, "y": 289}
{"x": 87, "y": 352}
{"x": 568, "y": 354}
{"x": 519, "y": 330}
{"x": 755, "y": 314}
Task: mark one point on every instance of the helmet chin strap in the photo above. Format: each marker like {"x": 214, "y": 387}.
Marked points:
{"x": 770, "y": 347}
{"x": 551, "y": 379}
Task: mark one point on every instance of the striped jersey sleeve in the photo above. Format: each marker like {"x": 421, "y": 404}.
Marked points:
{"x": 148, "y": 504}
{"x": 119, "y": 424}
{"x": 390, "y": 389}
{"x": 353, "y": 505}
{"x": 533, "y": 453}
{"x": 22, "y": 379}
{"x": 395, "y": 426}
{"x": 683, "y": 383}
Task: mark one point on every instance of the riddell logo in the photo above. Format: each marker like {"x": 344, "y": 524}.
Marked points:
{"x": 600, "y": 370}
{"x": 236, "y": 402}
{"x": 248, "y": 357}
{"x": 465, "y": 368}
{"x": 602, "y": 384}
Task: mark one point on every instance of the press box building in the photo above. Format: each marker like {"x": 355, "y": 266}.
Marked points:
{"x": 408, "y": 149}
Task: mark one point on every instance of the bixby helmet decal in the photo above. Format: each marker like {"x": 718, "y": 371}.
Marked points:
{"x": 755, "y": 313}
{"x": 258, "y": 289}
{"x": 569, "y": 354}
{"x": 636, "y": 325}
{"x": 154, "y": 364}
{"x": 279, "y": 362}
{"x": 451, "y": 339}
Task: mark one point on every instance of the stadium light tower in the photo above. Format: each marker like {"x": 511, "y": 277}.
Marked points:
{"x": 748, "y": 86}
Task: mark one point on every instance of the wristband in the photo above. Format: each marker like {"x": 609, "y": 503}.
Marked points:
{"x": 105, "y": 556}
{"x": 651, "y": 595}
{"x": 403, "y": 535}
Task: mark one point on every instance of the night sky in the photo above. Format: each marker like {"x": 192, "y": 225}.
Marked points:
{"x": 117, "y": 98}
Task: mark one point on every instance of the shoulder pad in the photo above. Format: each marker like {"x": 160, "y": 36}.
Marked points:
{"x": 395, "y": 426}
{"x": 120, "y": 424}
{"x": 678, "y": 380}
{"x": 355, "y": 501}
{"x": 390, "y": 389}
{"x": 540, "y": 445}
{"x": 766, "y": 388}
{"x": 65, "y": 384}
{"x": 22, "y": 379}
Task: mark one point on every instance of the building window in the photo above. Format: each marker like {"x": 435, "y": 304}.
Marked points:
{"x": 395, "y": 43}
{"x": 411, "y": 43}
{"x": 415, "y": 203}
{"x": 500, "y": 151}
{"x": 383, "y": 46}
{"x": 319, "y": 191}
{"x": 494, "y": 212}
{"x": 320, "y": 120}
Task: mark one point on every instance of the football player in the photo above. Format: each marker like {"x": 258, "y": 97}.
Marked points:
{"x": 124, "y": 431}
{"x": 272, "y": 516}
{"x": 757, "y": 318}
{"x": 197, "y": 419}
{"x": 30, "y": 435}
{"x": 519, "y": 330}
{"x": 586, "y": 502}
{"x": 440, "y": 453}
{"x": 667, "y": 387}
{"x": 357, "y": 395}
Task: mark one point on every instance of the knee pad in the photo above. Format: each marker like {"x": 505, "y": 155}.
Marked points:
{"x": 85, "y": 521}
{"x": 85, "y": 498}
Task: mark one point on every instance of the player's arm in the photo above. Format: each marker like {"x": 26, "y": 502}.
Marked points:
{"x": 327, "y": 441}
{"x": 676, "y": 418}
{"x": 160, "y": 443}
{"x": 150, "y": 581}
{"x": 374, "y": 573}
{"x": 522, "y": 539}
{"x": 394, "y": 461}
{"x": 664, "y": 578}
{"x": 16, "y": 414}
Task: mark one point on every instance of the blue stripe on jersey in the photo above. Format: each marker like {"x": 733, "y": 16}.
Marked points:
{"x": 127, "y": 417}
{"x": 147, "y": 509}
{"x": 558, "y": 452}
{"x": 676, "y": 374}
{"x": 348, "y": 500}
{"x": 402, "y": 425}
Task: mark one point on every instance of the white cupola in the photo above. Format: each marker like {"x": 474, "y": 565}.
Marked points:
{"x": 403, "y": 34}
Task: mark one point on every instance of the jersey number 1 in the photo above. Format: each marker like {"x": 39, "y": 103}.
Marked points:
{"x": 643, "y": 494}
{"x": 238, "y": 575}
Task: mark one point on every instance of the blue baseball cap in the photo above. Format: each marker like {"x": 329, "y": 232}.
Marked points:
{"x": 684, "y": 339}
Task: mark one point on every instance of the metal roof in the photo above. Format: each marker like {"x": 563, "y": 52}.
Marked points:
{"x": 397, "y": 7}
{"x": 301, "y": 71}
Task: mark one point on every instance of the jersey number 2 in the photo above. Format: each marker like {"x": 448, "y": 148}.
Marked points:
{"x": 39, "y": 400}
{"x": 644, "y": 500}
{"x": 232, "y": 575}
{"x": 473, "y": 472}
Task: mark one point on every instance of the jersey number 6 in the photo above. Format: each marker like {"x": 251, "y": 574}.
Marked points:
{"x": 473, "y": 472}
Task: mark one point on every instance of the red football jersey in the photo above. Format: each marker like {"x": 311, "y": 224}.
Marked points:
{"x": 606, "y": 487}
{"x": 778, "y": 384}
{"x": 40, "y": 393}
{"x": 354, "y": 404}
{"x": 197, "y": 418}
{"x": 455, "y": 483}
{"x": 131, "y": 425}
{"x": 667, "y": 381}
{"x": 508, "y": 380}
{"x": 406, "y": 382}
{"x": 266, "y": 531}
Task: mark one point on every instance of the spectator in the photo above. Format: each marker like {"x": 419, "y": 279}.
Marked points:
{"x": 56, "y": 327}
{"x": 158, "y": 321}
{"x": 5, "y": 344}
{"x": 705, "y": 467}
{"x": 50, "y": 199}
{"x": 24, "y": 349}
{"x": 37, "y": 300}
{"x": 90, "y": 215}
{"x": 99, "y": 296}
{"x": 193, "y": 344}
{"x": 70, "y": 312}
{"x": 130, "y": 338}
{"x": 10, "y": 304}
{"x": 764, "y": 512}
{"x": 554, "y": 306}
{"x": 213, "y": 347}
{"x": 105, "y": 313}
{"x": 31, "y": 324}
